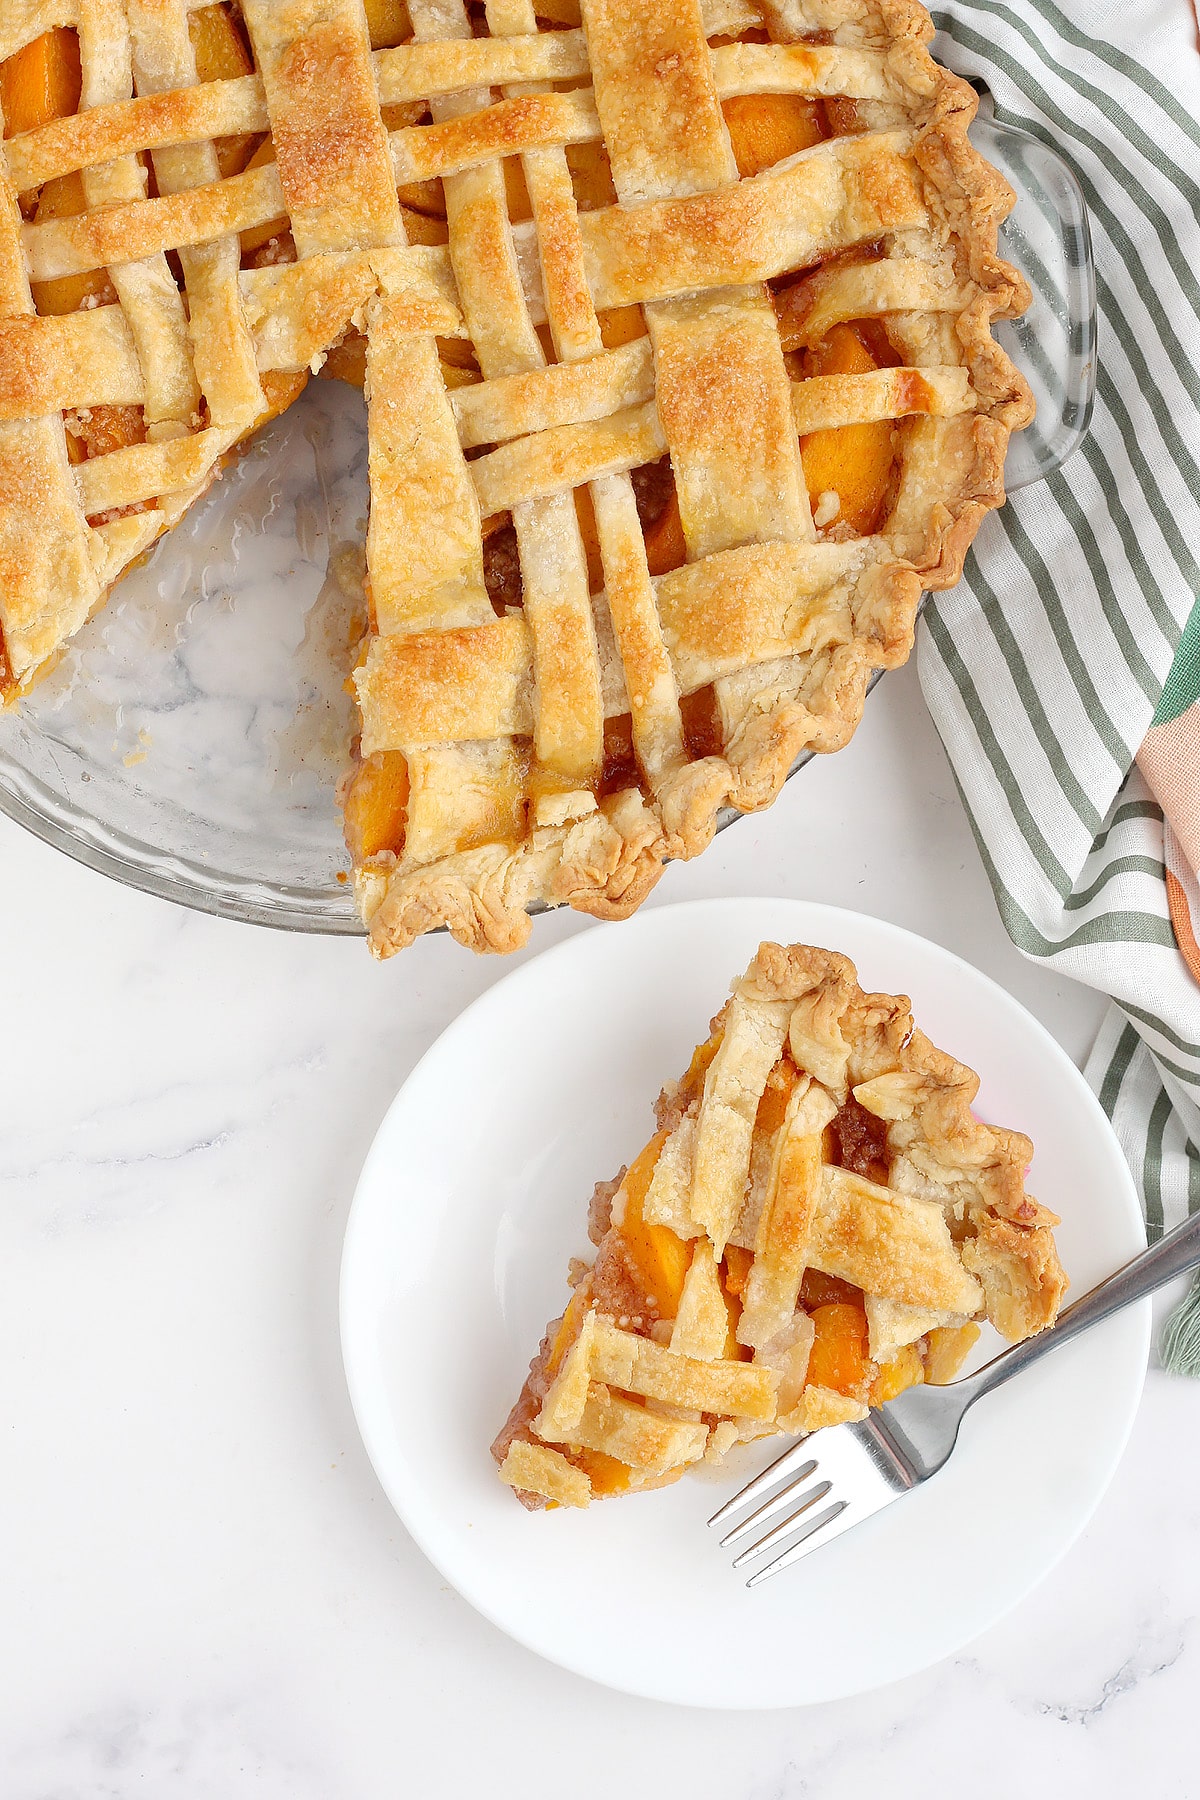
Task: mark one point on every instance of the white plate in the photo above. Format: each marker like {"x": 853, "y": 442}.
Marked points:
{"x": 473, "y": 1198}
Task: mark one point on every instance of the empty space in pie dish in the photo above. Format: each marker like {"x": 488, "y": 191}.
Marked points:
{"x": 196, "y": 729}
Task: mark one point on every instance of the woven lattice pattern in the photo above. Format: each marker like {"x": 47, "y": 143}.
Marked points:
{"x": 816, "y": 1225}
{"x": 617, "y": 573}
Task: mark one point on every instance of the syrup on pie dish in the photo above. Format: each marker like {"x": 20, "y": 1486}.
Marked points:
{"x": 674, "y": 319}
{"x": 816, "y": 1225}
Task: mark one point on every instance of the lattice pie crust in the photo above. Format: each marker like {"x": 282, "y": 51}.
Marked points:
{"x": 816, "y": 1225}
{"x": 748, "y": 236}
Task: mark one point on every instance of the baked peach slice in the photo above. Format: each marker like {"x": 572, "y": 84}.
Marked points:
{"x": 766, "y": 128}
{"x": 41, "y": 82}
{"x": 854, "y": 463}
{"x": 375, "y": 805}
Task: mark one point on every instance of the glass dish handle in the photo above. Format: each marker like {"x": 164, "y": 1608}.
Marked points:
{"x": 1054, "y": 344}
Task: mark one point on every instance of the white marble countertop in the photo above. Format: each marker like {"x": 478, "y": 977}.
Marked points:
{"x": 206, "y": 1594}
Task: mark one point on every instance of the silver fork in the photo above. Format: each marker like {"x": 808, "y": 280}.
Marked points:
{"x": 857, "y": 1469}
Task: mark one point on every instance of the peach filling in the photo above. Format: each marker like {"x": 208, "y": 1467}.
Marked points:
{"x": 857, "y": 1140}
{"x": 838, "y": 1359}
{"x": 375, "y": 806}
{"x": 41, "y": 82}
{"x": 764, "y": 128}
{"x": 662, "y": 1258}
{"x": 222, "y": 54}
{"x": 619, "y": 769}
{"x": 853, "y": 463}
{"x": 606, "y": 1474}
{"x": 387, "y": 22}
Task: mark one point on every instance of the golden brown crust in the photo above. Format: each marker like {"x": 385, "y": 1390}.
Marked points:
{"x": 507, "y": 722}
{"x": 800, "y": 687}
{"x": 538, "y": 1474}
{"x": 818, "y": 1176}
{"x": 1020, "y": 1271}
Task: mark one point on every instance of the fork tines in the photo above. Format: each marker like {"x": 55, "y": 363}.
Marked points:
{"x": 846, "y": 1459}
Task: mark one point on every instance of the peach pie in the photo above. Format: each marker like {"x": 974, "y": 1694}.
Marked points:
{"x": 818, "y": 1223}
{"x": 674, "y": 321}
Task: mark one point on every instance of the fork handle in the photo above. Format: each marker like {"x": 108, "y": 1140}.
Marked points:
{"x": 1173, "y": 1255}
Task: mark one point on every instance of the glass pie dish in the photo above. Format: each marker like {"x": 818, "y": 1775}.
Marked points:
{"x": 191, "y": 740}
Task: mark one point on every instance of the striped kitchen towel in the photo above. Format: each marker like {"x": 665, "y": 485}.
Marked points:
{"x": 1045, "y": 667}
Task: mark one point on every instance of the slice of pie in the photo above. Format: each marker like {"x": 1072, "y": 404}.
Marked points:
{"x": 817, "y": 1224}
{"x": 674, "y": 319}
